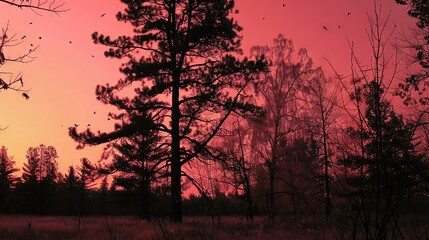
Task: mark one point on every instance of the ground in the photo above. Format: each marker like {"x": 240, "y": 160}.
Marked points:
{"x": 131, "y": 228}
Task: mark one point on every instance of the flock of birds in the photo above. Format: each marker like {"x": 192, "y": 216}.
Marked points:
{"x": 32, "y": 47}
{"x": 88, "y": 125}
{"x": 324, "y": 27}
{"x": 104, "y": 14}
{"x": 40, "y": 37}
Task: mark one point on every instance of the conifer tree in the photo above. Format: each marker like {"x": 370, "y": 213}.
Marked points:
{"x": 7, "y": 169}
{"x": 183, "y": 65}
{"x": 40, "y": 176}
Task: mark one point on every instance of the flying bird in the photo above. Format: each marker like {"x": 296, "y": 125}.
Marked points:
{"x": 88, "y": 125}
{"x": 23, "y": 37}
{"x": 284, "y": 5}
{"x": 76, "y": 125}
{"x": 31, "y": 23}
{"x": 339, "y": 26}
{"x": 102, "y": 15}
{"x": 348, "y": 14}
{"x": 70, "y": 41}
{"x": 263, "y": 18}
{"x": 324, "y": 27}
{"x": 25, "y": 95}
{"x": 40, "y": 37}
{"x": 94, "y": 112}
{"x": 108, "y": 119}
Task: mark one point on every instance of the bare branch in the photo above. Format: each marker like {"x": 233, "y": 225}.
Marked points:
{"x": 52, "y": 6}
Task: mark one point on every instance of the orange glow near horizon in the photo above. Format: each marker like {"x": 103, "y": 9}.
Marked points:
{"x": 63, "y": 77}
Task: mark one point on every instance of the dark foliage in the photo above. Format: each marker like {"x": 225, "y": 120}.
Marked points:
{"x": 183, "y": 65}
{"x": 40, "y": 178}
{"x": 7, "y": 179}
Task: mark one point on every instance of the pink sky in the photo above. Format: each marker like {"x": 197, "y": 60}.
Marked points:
{"x": 63, "y": 77}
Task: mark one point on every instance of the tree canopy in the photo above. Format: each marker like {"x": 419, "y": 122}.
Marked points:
{"x": 184, "y": 66}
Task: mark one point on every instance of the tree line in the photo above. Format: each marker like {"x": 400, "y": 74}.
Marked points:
{"x": 81, "y": 191}
{"x": 85, "y": 190}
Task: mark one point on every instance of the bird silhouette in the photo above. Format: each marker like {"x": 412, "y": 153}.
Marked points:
{"x": 25, "y": 95}
{"x": 40, "y": 37}
{"x": 76, "y": 125}
{"x": 283, "y": 4}
{"x": 70, "y": 41}
{"x": 92, "y": 56}
{"x": 94, "y": 112}
{"x": 31, "y": 45}
{"x": 263, "y": 18}
{"x": 348, "y": 14}
{"x": 324, "y": 27}
{"x": 31, "y": 23}
{"x": 339, "y": 26}
{"x": 108, "y": 119}
{"x": 102, "y": 15}
{"x": 23, "y": 37}
{"x": 89, "y": 125}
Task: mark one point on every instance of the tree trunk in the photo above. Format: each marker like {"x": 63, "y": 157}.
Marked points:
{"x": 249, "y": 200}
{"x": 82, "y": 201}
{"x": 145, "y": 214}
{"x": 271, "y": 198}
{"x": 176, "y": 172}
{"x": 325, "y": 155}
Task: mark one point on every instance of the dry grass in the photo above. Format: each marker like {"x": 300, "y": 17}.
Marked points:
{"x": 129, "y": 228}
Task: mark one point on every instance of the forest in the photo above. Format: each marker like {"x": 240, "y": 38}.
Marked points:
{"x": 203, "y": 130}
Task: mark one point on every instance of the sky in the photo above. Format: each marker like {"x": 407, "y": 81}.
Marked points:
{"x": 62, "y": 78}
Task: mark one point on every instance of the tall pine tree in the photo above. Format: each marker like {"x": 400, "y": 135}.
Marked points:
{"x": 183, "y": 64}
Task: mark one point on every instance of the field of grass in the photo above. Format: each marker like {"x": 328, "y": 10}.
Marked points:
{"x": 129, "y": 228}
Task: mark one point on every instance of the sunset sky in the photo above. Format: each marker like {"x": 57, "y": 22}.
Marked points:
{"x": 63, "y": 77}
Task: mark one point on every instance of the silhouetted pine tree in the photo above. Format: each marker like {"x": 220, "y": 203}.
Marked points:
{"x": 70, "y": 192}
{"x": 139, "y": 161}
{"x": 7, "y": 180}
{"x": 104, "y": 196}
{"x": 392, "y": 168}
{"x": 40, "y": 175}
{"x": 182, "y": 61}
{"x": 400, "y": 161}
{"x": 30, "y": 181}
{"x": 87, "y": 173}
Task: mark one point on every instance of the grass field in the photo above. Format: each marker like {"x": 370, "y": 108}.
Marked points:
{"x": 129, "y": 228}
